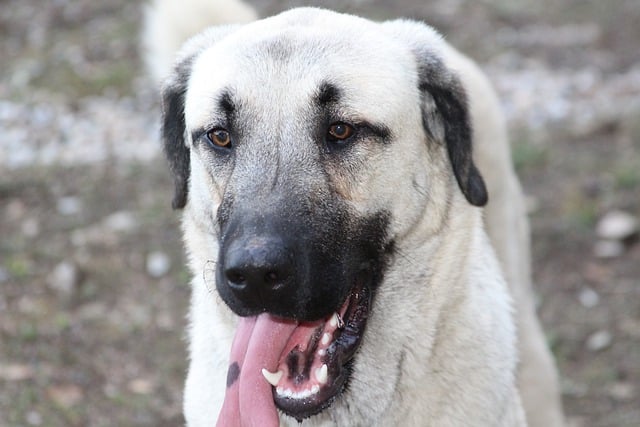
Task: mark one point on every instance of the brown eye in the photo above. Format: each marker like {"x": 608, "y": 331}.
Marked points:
{"x": 219, "y": 138}
{"x": 340, "y": 131}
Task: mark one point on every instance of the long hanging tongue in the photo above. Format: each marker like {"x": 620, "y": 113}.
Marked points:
{"x": 258, "y": 344}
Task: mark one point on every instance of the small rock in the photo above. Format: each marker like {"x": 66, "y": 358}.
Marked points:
{"x": 64, "y": 278}
{"x": 65, "y": 395}
{"x": 69, "y": 205}
{"x": 158, "y": 264}
{"x": 165, "y": 322}
{"x": 622, "y": 391}
{"x": 16, "y": 372}
{"x": 30, "y": 227}
{"x": 608, "y": 249}
{"x": 588, "y": 298}
{"x": 617, "y": 225}
{"x": 34, "y": 418}
{"x": 599, "y": 340}
{"x": 121, "y": 222}
{"x": 140, "y": 386}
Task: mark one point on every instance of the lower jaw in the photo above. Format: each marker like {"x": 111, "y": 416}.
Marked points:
{"x": 311, "y": 406}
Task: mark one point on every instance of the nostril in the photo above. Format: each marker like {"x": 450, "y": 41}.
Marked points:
{"x": 255, "y": 277}
{"x": 276, "y": 280}
{"x": 236, "y": 279}
{"x": 271, "y": 277}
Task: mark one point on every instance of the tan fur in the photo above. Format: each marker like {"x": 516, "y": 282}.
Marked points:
{"x": 443, "y": 312}
{"x": 169, "y": 23}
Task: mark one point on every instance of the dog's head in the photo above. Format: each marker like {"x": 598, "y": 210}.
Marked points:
{"x": 307, "y": 144}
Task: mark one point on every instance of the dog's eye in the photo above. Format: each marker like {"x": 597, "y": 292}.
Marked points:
{"x": 340, "y": 132}
{"x": 219, "y": 138}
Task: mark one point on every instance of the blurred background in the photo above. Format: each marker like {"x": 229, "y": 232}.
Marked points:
{"x": 93, "y": 287}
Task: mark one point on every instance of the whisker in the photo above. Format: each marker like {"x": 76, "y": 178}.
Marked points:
{"x": 209, "y": 274}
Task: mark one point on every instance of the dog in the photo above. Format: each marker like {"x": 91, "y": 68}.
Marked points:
{"x": 343, "y": 272}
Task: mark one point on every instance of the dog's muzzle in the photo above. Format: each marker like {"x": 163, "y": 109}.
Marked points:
{"x": 303, "y": 288}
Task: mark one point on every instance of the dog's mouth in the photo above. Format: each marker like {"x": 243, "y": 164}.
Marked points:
{"x": 298, "y": 367}
{"x": 315, "y": 364}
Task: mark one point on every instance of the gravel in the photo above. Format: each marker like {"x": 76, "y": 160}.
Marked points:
{"x": 96, "y": 130}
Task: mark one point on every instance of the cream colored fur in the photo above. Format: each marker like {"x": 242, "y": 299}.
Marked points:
{"x": 169, "y": 23}
{"x": 443, "y": 312}
{"x": 508, "y": 228}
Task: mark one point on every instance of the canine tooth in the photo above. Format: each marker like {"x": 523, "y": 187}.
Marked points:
{"x": 336, "y": 321}
{"x": 326, "y": 338}
{"x": 322, "y": 374}
{"x": 272, "y": 378}
{"x": 333, "y": 322}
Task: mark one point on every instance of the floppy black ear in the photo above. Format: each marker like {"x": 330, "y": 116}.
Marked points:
{"x": 173, "y": 99}
{"x": 445, "y": 114}
{"x": 445, "y": 110}
{"x": 173, "y": 133}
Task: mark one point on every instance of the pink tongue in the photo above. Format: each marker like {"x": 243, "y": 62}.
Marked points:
{"x": 258, "y": 344}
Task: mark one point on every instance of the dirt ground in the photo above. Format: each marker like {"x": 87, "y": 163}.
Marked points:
{"x": 93, "y": 287}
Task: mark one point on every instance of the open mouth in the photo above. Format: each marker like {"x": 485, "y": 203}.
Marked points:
{"x": 314, "y": 366}
{"x": 297, "y": 367}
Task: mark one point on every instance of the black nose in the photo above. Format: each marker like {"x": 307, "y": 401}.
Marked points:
{"x": 258, "y": 268}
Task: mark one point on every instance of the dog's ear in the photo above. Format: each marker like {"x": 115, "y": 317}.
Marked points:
{"x": 173, "y": 132}
{"x": 176, "y": 147}
{"x": 445, "y": 110}
{"x": 445, "y": 113}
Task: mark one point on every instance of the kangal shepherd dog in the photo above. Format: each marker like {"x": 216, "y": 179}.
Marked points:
{"x": 345, "y": 272}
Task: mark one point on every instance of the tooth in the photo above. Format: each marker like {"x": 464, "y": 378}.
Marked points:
{"x": 326, "y": 338}
{"x": 322, "y": 374}
{"x": 336, "y": 321}
{"x": 333, "y": 322}
{"x": 272, "y": 378}
{"x": 315, "y": 389}
{"x": 302, "y": 394}
{"x": 322, "y": 352}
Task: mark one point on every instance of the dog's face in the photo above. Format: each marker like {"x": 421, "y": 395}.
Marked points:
{"x": 306, "y": 154}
